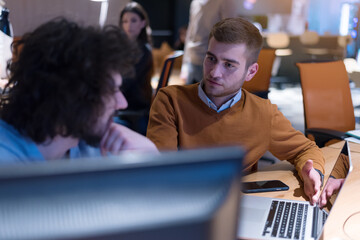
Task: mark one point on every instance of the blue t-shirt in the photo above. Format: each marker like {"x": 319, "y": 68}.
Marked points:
{"x": 15, "y": 147}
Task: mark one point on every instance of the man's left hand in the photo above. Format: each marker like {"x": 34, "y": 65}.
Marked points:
{"x": 119, "y": 138}
{"x": 332, "y": 186}
{"x": 312, "y": 182}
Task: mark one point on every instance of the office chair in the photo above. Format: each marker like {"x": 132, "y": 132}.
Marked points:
{"x": 309, "y": 38}
{"x": 310, "y": 41}
{"x": 280, "y": 41}
{"x": 260, "y": 83}
{"x": 328, "y": 107}
{"x": 167, "y": 68}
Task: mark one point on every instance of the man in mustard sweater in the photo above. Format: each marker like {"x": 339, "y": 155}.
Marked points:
{"x": 217, "y": 111}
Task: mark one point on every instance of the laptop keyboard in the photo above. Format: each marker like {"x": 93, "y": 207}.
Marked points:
{"x": 286, "y": 220}
{"x": 325, "y": 215}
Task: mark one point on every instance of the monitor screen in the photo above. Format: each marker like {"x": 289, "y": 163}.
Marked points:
{"x": 342, "y": 167}
{"x": 189, "y": 194}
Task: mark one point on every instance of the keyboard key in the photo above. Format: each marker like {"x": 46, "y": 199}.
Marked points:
{"x": 292, "y": 220}
{"x": 304, "y": 221}
{"x": 299, "y": 221}
{"x": 277, "y": 219}
{"x": 285, "y": 219}
{"x": 270, "y": 218}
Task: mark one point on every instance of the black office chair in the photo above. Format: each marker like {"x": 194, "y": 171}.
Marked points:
{"x": 167, "y": 68}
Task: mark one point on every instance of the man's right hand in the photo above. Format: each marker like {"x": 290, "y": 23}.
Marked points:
{"x": 312, "y": 182}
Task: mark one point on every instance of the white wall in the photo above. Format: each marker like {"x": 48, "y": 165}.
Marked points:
{"x": 324, "y": 15}
{"x": 26, "y": 15}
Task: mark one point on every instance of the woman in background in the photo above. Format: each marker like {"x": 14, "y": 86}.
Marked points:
{"x": 180, "y": 42}
{"x": 137, "y": 90}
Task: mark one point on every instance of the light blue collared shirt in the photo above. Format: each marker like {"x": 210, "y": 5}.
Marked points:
{"x": 14, "y": 147}
{"x": 207, "y": 101}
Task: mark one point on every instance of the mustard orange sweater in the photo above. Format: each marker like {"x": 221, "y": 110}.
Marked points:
{"x": 179, "y": 119}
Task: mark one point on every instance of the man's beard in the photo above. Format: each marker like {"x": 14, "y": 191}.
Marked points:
{"x": 93, "y": 138}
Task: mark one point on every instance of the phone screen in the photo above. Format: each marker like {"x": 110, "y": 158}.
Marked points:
{"x": 264, "y": 186}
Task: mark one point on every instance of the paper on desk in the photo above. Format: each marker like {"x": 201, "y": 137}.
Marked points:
{"x": 354, "y": 133}
{"x": 352, "y": 139}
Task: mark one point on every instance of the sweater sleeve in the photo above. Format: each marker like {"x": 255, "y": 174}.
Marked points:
{"x": 162, "y": 128}
{"x": 290, "y": 144}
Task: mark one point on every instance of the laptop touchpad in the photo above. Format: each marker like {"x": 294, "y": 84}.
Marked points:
{"x": 253, "y": 214}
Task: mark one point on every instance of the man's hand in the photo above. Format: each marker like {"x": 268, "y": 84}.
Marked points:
{"x": 332, "y": 186}
{"x": 119, "y": 138}
{"x": 312, "y": 182}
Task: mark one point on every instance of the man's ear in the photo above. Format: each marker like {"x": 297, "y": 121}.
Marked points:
{"x": 251, "y": 71}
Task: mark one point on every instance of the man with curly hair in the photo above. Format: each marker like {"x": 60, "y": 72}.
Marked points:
{"x": 62, "y": 93}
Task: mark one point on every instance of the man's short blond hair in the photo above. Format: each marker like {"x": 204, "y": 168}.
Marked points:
{"x": 239, "y": 31}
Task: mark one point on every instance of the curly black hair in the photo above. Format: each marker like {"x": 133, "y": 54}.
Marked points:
{"x": 59, "y": 79}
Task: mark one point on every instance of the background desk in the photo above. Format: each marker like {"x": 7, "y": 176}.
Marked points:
{"x": 343, "y": 222}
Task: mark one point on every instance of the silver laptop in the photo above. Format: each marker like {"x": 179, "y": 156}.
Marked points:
{"x": 274, "y": 218}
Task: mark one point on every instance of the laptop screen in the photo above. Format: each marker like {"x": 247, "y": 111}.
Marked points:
{"x": 337, "y": 177}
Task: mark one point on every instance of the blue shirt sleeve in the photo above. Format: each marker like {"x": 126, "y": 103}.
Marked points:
{"x": 84, "y": 150}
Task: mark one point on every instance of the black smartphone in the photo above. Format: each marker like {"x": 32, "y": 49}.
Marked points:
{"x": 264, "y": 186}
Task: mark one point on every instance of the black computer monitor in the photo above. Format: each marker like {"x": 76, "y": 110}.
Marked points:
{"x": 190, "y": 194}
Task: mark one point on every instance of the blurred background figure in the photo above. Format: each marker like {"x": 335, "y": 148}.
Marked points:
{"x": 203, "y": 15}
{"x": 180, "y": 41}
{"x": 137, "y": 90}
{"x": 6, "y": 38}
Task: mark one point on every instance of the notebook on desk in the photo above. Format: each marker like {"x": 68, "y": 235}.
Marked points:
{"x": 274, "y": 218}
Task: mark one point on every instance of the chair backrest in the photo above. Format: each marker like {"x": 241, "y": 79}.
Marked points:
{"x": 309, "y": 38}
{"x": 159, "y": 54}
{"x": 167, "y": 68}
{"x": 260, "y": 83}
{"x": 278, "y": 40}
{"x": 326, "y": 96}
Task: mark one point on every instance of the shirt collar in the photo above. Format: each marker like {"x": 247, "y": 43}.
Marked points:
{"x": 210, "y": 104}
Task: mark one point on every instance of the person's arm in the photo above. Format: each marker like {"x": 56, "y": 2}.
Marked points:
{"x": 290, "y": 144}
{"x": 162, "y": 128}
{"x": 229, "y": 8}
{"x": 119, "y": 138}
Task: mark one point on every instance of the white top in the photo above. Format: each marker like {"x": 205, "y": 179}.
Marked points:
{"x": 203, "y": 16}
